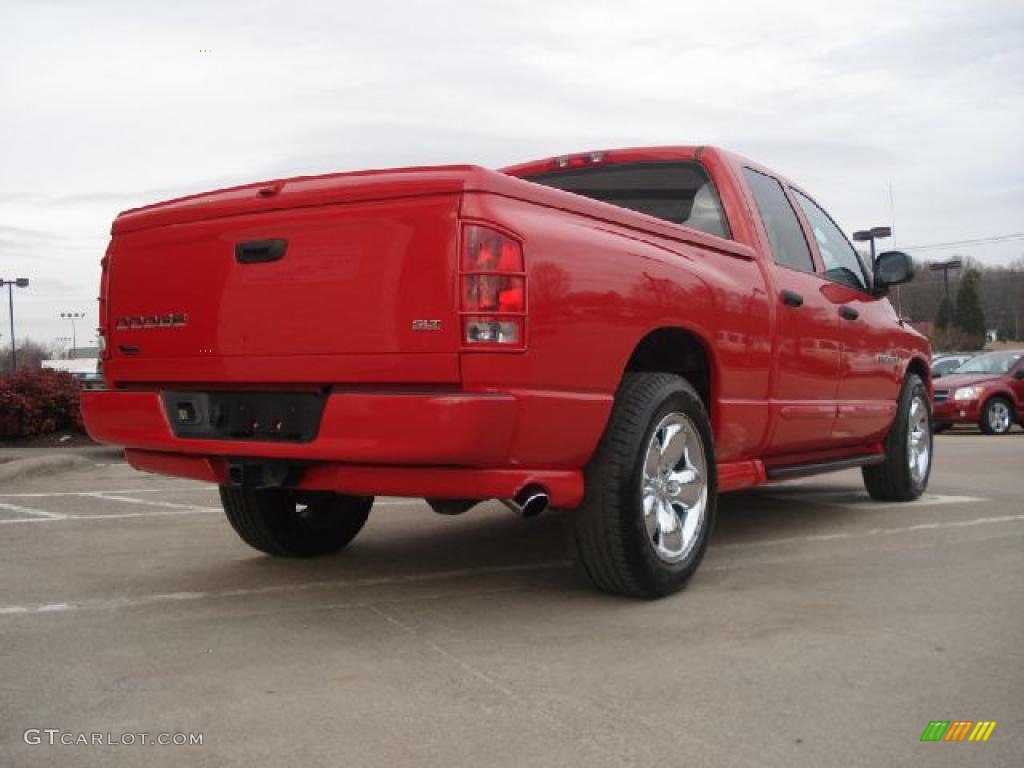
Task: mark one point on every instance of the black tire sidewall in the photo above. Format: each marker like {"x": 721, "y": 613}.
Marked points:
{"x": 328, "y": 536}
{"x": 267, "y": 520}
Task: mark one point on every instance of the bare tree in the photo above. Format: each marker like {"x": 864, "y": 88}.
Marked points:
{"x": 30, "y": 354}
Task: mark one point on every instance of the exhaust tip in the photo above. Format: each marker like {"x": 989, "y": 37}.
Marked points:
{"x": 529, "y": 502}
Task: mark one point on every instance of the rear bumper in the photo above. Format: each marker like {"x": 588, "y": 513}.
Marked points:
{"x": 366, "y": 429}
{"x": 445, "y": 444}
{"x": 563, "y": 486}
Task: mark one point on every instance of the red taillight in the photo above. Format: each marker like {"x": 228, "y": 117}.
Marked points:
{"x": 104, "y": 302}
{"x": 492, "y": 293}
{"x": 486, "y": 250}
{"x": 493, "y": 288}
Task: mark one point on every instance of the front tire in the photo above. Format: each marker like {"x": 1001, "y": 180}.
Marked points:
{"x": 903, "y": 476}
{"x": 650, "y": 491}
{"x": 287, "y": 523}
{"x": 996, "y": 416}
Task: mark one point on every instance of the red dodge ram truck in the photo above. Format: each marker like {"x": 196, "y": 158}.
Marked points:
{"x": 623, "y": 334}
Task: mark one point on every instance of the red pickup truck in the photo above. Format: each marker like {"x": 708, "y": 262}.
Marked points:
{"x": 622, "y": 334}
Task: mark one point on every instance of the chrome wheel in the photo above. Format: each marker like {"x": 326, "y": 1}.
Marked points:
{"x": 675, "y": 487}
{"x": 999, "y": 416}
{"x": 919, "y": 440}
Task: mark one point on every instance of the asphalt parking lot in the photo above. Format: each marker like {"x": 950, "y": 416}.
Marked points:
{"x": 823, "y": 629}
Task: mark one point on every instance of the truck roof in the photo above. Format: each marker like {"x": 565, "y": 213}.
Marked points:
{"x": 599, "y": 156}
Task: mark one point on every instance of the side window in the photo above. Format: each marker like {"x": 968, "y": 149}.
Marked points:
{"x": 789, "y": 248}
{"x": 841, "y": 261}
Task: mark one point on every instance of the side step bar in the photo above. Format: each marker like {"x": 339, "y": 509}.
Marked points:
{"x": 790, "y": 471}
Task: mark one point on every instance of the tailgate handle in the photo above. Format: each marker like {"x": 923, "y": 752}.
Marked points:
{"x": 260, "y": 251}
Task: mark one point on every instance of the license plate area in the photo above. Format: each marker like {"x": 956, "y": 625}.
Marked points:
{"x": 289, "y": 417}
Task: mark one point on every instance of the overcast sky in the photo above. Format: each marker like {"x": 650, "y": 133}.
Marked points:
{"x": 106, "y": 106}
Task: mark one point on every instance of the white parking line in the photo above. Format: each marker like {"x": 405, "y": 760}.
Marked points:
{"x": 860, "y": 500}
{"x": 57, "y": 494}
{"x": 102, "y": 495}
{"x": 37, "y": 514}
{"x": 42, "y": 515}
{"x": 107, "y": 604}
{"x": 870, "y": 532}
{"x": 372, "y": 581}
{"x": 165, "y": 508}
{"x": 114, "y": 515}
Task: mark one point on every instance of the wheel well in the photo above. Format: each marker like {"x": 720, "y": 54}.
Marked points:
{"x": 674, "y": 350}
{"x": 998, "y": 395}
{"x": 918, "y": 366}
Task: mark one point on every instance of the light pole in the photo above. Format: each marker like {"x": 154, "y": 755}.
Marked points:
{"x": 21, "y": 282}
{"x": 869, "y": 236}
{"x": 72, "y": 316}
{"x": 944, "y": 267}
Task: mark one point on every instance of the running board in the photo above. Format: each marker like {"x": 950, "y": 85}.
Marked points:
{"x": 790, "y": 471}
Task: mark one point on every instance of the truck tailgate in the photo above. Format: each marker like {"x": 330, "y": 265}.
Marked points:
{"x": 364, "y": 289}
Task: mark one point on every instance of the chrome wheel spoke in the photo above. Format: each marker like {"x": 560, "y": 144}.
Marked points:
{"x": 674, "y": 483}
{"x": 689, "y": 520}
{"x": 673, "y": 446}
{"x": 667, "y": 521}
{"x": 651, "y": 514}
{"x": 670, "y": 532}
{"x": 652, "y": 461}
{"x": 685, "y": 476}
{"x": 688, "y": 489}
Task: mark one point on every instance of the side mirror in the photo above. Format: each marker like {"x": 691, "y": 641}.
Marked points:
{"x": 892, "y": 268}
{"x": 1019, "y": 374}
{"x": 938, "y": 375}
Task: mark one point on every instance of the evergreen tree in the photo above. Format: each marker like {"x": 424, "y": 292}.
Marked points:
{"x": 969, "y": 317}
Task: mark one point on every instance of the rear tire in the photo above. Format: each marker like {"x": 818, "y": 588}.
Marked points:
{"x": 996, "y": 416}
{"x": 287, "y": 523}
{"x": 903, "y": 476}
{"x": 650, "y": 491}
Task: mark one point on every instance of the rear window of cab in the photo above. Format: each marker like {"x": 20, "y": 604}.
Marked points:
{"x": 680, "y": 192}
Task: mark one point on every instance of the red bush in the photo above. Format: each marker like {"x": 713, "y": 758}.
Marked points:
{"x": 38, "y": 402}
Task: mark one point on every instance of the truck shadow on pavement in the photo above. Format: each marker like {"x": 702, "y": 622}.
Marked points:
{"x": 410, "y": 543}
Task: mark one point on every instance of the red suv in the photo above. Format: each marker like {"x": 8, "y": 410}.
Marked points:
{"x": 987, "y": 390}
